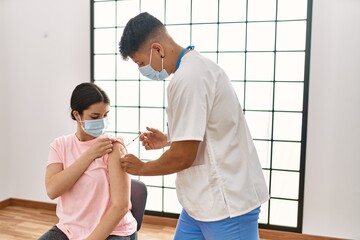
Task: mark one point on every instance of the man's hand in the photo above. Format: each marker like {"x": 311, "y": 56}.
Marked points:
{"x": 153, "y": 139}
{"x": 131, "y": 164}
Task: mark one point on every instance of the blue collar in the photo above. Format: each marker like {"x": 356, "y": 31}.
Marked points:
{"x": 181, "y": 55}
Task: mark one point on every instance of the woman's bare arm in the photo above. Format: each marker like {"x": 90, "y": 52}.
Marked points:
{"x": 120, "y": 195}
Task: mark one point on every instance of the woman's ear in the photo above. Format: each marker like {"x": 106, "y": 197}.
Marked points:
{"x": 76, "y": 115}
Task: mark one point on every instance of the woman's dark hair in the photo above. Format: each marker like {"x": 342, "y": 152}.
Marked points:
{"x": 137, "y": 31}
{"x": 85, "y": 95}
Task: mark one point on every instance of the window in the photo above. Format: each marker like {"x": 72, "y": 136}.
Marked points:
{"x": 263, "y": 45}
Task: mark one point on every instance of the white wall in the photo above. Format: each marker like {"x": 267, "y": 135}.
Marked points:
{"x": 4, "y": 166}
{"x": 47, "y": 53}
{"x": 332, "y": 178}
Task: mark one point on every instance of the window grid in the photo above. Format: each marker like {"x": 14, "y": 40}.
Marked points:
{"x": 245, "y": 99}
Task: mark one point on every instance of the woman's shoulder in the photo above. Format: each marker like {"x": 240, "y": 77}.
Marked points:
{"x": 116, "y": 139}
{"x": 63, "y": 140}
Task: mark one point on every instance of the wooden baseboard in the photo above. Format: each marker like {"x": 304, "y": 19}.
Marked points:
{"x": 5, "y": 203}
{"x": 281, "y": 235}
{"x": 163, "y": 221}
{"x": 33, "y": 204}
{"x": 27, "y": 203}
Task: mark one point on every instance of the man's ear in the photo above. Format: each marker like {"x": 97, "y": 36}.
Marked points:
{"x": 158, "y": 48}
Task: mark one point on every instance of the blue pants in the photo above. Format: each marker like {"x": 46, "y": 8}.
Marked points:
{"x": 244, "y": 227}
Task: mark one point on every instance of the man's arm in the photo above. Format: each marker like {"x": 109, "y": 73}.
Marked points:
{"x": 179, "y": 156}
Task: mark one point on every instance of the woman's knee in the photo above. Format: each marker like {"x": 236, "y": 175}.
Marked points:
{"x": 54, "y": 234}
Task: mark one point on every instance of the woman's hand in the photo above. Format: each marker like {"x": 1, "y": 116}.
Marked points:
{"x": 153, "y": 139}
{"x": 100, "y": 147}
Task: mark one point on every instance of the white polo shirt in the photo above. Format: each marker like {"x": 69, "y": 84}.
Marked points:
{"x": 226, "y": 178}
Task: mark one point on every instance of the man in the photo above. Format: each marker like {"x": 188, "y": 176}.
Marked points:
{"x": 219, "y": 182}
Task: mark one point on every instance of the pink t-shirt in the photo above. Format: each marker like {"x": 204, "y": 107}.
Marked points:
{"x": 80, "y": 208}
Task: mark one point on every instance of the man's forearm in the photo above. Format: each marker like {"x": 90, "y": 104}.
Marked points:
{"x": 178, "y": 157}
{"x": 166, "y": 164}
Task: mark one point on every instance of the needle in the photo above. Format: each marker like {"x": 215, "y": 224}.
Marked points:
{"x": 133, "y": 139}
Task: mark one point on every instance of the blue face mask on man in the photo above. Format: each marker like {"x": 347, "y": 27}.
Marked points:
{"x": 149, "y": 72}
{"x": 95, "y": 127}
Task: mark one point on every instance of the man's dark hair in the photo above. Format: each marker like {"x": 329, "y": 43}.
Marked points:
{"x": 136, "y": 32}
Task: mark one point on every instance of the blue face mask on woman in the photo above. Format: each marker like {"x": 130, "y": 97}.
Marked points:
{"x": 95, "y": 127}
{"x": 149, "y": 72}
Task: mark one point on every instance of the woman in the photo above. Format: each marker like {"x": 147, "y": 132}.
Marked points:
{"x": 84, "y": 172}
